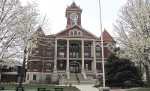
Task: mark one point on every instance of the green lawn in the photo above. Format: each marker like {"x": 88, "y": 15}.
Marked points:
{"x": 139, "y": 89}
{"x": 35, "y": 86}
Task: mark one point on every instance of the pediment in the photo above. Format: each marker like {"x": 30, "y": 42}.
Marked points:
{"x": 76, "y": 32}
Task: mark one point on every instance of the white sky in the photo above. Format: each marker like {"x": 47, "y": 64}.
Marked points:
{"x": 55, "y": 13}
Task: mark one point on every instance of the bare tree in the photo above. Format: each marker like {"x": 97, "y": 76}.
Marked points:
{"x": 17, "y": 23}
{"x": 133, "y": 29}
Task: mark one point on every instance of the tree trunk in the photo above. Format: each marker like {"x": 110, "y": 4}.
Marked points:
{"x": 23, "y": 66}
{"x": 0, "y": 73}
{"x": 147, "y": 73}
{"x": 22, "y": 74}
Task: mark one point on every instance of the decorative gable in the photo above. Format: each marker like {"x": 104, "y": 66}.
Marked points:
{"x": 76, "y": 31}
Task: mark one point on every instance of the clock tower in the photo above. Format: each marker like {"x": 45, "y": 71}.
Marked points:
{"x": 73, "y": 15}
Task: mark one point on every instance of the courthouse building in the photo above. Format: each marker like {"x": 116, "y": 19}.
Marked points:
{"x": 74, "y": 54}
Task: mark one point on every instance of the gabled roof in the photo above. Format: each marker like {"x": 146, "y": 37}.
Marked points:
{"x": 39, "y": 31}
{"x": 79, "y": 28}
{"x": 107, "y": 37}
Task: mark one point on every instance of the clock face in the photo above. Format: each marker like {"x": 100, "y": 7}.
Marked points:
{"x": 74, "y": 18}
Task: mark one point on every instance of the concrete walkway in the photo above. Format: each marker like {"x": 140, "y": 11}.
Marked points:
{"x": 91, "y": 88}
{"x": 117, "y": 90}
{"x": 86, "y": 88}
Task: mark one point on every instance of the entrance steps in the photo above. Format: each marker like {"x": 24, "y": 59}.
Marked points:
{"x": 77, "y": 78}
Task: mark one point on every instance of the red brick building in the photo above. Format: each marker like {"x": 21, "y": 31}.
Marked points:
{"x": 74, "y": 54}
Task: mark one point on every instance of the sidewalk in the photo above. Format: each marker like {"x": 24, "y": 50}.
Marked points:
{"x": 86, "y": 88}
{"x": 117, "y": 90}
{"x": 91, "y": 88}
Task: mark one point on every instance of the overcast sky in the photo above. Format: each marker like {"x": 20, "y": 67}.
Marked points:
{"x": 55, "y": 13}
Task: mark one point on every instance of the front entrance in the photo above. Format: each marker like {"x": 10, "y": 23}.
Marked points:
{"x": 75, "y": 67}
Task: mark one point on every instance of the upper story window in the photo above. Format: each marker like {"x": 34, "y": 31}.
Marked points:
{"x": 75, "y": 33}
{"x": 98, "y": 48}
{"x": 71, "y": 33}
{"x": 78, "y": 33}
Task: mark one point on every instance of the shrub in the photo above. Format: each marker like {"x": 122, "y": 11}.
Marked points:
{"x": 122, "y": 73}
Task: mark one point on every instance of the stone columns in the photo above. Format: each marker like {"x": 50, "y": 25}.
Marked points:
{"x": 94, "y": 57}
{"x": 67, "y": 66}
{"x": 55, "y": 57}
{"x": 82, "y": 48}
{"x": 83, "y": 70}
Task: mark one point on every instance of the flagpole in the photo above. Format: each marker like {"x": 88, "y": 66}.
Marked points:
{"x": 102, "y": 43}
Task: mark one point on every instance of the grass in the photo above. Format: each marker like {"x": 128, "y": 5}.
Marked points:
{"x": 138, "y": 89}
{"x": 35, "y": 86}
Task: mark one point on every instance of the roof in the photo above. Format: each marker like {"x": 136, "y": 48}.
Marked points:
{"x": 73, "y": 6}
{"x": 107, "y": 37}
{"x": 79, "y": 29}
{"x": 38, "y": 32}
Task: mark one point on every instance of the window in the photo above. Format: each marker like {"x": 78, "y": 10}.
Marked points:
{"x": 86, "y": 66}
{"x": 61, "y": 65}
{"x": 61, "y": 54}
{"x": 75, "y": 33}
{"x": 98, "y": 48}
{"x": 98, "y": 54}
{"x": 49, "y": 66}
{"x": 86, "y": 54}
{"x": 34, "y": 77}
{"x": 28, "y": 77}
{"x": 99, "y": 67}
{"x": 79, "y": 33}
{"x": 71, "y": 33}
{"x": 37, "y": 51}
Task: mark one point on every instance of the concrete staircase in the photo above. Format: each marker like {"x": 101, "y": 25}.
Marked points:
{"x": 73, "y": 78}
{"x": 76, "y": 79}
{"x": 87, "y": 87}
{"x": 88, "y": 80}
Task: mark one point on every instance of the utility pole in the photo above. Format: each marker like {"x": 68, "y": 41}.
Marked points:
{"x": 102, "y": 43}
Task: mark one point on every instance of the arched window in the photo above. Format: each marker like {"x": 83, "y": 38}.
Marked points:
{"x": 71, "y": 33}
{"x": 75, "y": 33}
{"x": 79, "y": 33}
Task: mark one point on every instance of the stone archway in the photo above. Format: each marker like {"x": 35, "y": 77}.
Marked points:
{"x": 75, "y": 67}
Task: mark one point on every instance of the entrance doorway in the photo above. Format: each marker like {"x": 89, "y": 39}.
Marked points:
{"x": 75, "y": 67}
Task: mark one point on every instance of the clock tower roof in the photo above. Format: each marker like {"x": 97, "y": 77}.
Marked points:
{"x": 73, "y": 6}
